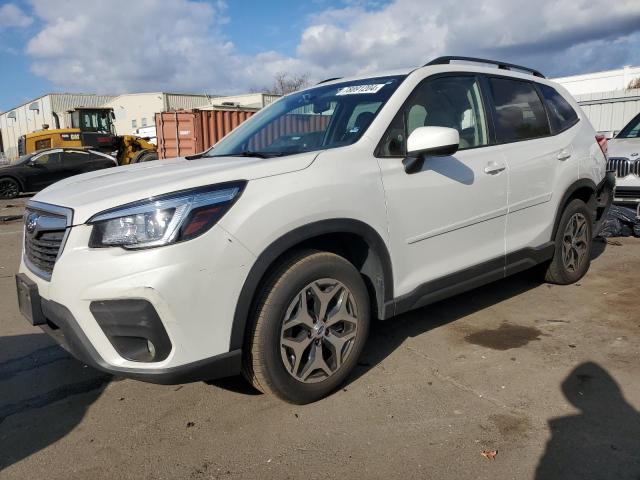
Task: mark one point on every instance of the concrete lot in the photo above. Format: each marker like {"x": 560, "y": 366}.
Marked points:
{"x": 548, "y": 376}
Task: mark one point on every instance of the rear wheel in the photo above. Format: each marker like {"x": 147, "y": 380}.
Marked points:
{"x": 9, "y": 188}
{"x": 573, "y": 244}
{"x": 310, "y": 327}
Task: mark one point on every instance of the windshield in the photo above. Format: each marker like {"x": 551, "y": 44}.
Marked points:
{"x": 92, "y": 121}
{"x": 632, "y": 130}
{"x": 22, "y": 159}
{"x": 327, "y": 116}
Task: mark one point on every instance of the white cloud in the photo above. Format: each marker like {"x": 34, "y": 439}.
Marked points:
{"x": 12, "y": 16}
{"x": 410, "y": 32}
{"x": 144, "y": 45}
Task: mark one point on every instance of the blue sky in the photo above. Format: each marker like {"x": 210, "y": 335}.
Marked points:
{"x": 232, "y": 46}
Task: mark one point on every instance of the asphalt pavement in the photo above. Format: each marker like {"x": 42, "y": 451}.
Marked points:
{"x": 546, "y": 376}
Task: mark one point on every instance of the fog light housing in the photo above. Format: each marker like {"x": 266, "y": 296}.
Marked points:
{"x": 134, "y": 329}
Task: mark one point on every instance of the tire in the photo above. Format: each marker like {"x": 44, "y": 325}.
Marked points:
{"x": 145, "y": 156}
{"x": 282, "y": 345}
{"x": 9, "y": 188}
{"x": 573, "y": 245}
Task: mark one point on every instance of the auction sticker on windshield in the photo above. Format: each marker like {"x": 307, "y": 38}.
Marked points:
{"x": 358, "y": 89}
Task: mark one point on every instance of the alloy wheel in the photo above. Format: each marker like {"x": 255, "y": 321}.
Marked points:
{"x": 575, "y": 243}
{"x": 8, "y": 188}
{"x": 319, "y": 330}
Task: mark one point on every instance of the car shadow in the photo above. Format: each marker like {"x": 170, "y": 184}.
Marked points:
{"x": 385, "y": 337}
{"x": 602, "y": 440}
{"x": 44, "y": 394}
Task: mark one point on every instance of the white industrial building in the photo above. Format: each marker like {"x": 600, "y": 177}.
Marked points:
{"x": 597, "y": 82}
{"x": 606, "y": 97}
{"x": 249, "y": 100}
{"x": 137, "y": 110}
{"x": 50, "y": 109}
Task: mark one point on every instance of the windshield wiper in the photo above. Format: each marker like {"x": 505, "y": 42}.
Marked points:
{"x": 250, "y": 153}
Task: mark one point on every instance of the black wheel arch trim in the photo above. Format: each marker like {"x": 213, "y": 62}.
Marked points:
{"x": 377, "y": 267}
{"x": 573, "y": 188}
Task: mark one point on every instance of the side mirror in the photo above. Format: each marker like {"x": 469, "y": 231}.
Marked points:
{"x": 436, "y": 141}
{"x": 429, "y": 141}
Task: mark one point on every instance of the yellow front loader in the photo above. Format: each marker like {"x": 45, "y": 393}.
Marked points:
{"x": 91, "y": 128}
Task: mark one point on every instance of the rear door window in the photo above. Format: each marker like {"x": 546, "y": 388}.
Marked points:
{"x": 519, "y": 112}
{"x": 75, "y": 159}
{"x": 561, "y": 115}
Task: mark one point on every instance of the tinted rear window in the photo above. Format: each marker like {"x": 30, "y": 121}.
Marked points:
{"x": 561, "y": 115}
{"x": 520, "y": 114}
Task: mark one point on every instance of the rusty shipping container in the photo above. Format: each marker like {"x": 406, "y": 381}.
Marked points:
{"x": 193, "y": 131}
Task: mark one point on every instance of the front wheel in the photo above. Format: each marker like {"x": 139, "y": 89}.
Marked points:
{"x": 9, "y": 188}
{"x": 309, "y": 329}
{"x": 573, "y": 244}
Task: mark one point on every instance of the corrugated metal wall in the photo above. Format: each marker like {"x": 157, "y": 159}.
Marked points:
{"x": 188, "y": 133}
{"x": 609, "y": 111}
{"x": 180, "y": 101}
{"x": 62, "y": 102}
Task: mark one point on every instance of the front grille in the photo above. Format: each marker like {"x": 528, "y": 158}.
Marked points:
{"x": 43, "y": 251}
{"x": 45, "y": 231}
{"x": 627, "y": 194}
{"x": 623, "y": 167}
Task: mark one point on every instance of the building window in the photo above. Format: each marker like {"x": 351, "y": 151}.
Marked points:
{"x": 134, "y": 123}
{"x": 143, "y": 122}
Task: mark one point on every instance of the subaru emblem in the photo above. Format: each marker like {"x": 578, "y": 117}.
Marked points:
{"x": 32, "y": 223}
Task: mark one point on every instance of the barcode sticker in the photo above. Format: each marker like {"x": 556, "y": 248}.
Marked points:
{"x": 360, "y": 89}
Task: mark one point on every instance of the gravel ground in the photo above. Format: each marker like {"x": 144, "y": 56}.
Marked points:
{"x": 548, "y": 376}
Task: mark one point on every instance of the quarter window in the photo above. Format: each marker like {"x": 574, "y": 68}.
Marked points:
{"x": 520, "y": 114}
{"x": 561, "y": 115}
{"x": 453, "y": 102}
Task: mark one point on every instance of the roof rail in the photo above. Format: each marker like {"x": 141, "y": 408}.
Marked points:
{"x": 501, "y": 65}
{"x": 329, "y": 80}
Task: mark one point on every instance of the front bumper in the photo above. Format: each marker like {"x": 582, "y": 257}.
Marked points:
{"x": 627, "y": 192}
{"x": 63, "y": 327}
{"x": 192, "y": 286}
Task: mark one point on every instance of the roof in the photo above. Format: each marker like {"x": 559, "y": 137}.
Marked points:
{"x": 452, "y": 67}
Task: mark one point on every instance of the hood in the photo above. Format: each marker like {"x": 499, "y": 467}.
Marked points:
{"x": 93, "y": 192}
{"x": 624, "y": 147}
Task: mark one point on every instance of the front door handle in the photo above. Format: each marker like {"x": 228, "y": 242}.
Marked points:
{"x": 494, "y": 168}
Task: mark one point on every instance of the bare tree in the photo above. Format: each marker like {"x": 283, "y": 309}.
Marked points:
{"x": 635, "y": 83}
{"x": 284, "y": 83}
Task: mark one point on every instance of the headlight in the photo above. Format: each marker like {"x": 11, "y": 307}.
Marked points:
{"x": 165, "y": 219}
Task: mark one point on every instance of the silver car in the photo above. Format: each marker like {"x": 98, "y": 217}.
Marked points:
{"x": 624, "y": 159}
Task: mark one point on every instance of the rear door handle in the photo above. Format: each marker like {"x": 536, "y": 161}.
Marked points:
{"x": 494, "y": 168}
{"x": 564, "y": 154}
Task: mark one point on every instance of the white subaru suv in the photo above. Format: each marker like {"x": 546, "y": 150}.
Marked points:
{"x": 354, "y": 200}
{"x": 624, "y": 160}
